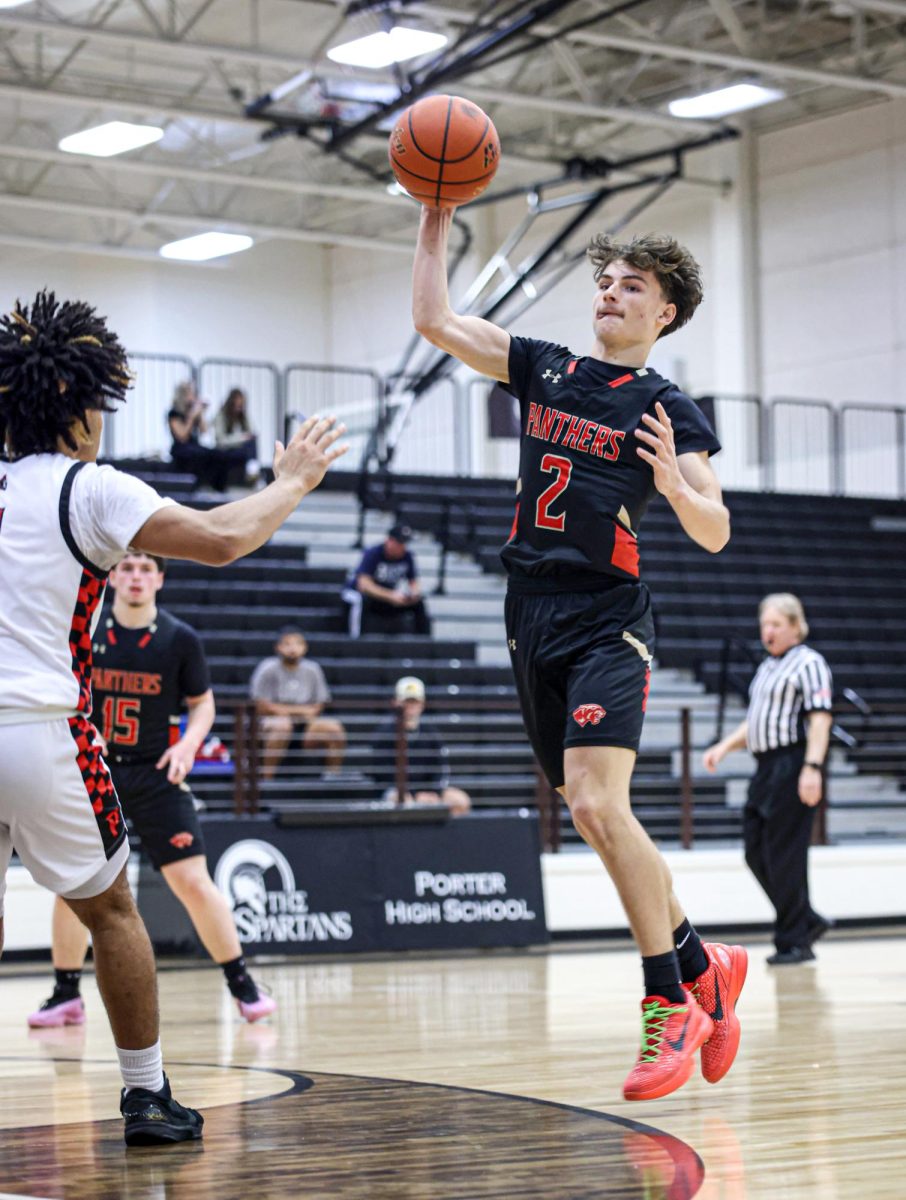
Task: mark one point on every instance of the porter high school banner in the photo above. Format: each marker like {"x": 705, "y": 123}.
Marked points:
{"x": 473, "y": 881}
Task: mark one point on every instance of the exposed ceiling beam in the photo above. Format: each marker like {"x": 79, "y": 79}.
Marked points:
{"x": 139, "y": 108}
{"x": 894, "y": 8}
{"x": 202, "y": 222}
{"x": 595, "y": 112}
{"x": 371, "y": 195}
{"x": 58, "y": 246}
{"x": 199, "y": 53}
{"x": 658, "y": 49}
{"x": 726, "y": 14}
{"x": 769, "y": 68}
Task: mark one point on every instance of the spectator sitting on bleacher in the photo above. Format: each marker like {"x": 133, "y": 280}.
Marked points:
{"x": 427, "y": 777}
{"x": 383, "y": 592}
{"x": 187, "y": 422}
{"x": 234, "y": 437}
{"x": 290, "y": 692}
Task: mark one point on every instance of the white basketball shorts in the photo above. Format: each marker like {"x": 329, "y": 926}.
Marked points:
{"x": 59, "y": 809}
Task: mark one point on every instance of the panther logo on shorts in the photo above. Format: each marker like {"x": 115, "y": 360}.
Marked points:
{"x": 589, "y": 714}
{"x": 182, "y": 841}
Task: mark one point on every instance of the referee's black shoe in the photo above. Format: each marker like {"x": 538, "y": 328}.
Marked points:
{"x": 789, "y": 958}
{"x": 155, "y": 1118}
{"x": 818, "y": 927}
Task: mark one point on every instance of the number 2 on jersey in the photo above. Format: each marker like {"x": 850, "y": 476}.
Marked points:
{"x": 544, "y": 519}
{"x": 120, "y": 720}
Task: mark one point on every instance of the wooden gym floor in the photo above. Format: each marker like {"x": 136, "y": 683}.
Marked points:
{"x": 488, "y": 1075}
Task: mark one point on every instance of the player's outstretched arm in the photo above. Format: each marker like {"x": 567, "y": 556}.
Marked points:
{"x": 225, "y": 533}
{"x": 480, "y": 344}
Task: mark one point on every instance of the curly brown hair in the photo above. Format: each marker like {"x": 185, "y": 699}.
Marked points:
{"x": 677, "y": 272}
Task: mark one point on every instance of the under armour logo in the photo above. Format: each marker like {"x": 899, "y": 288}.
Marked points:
{"x": 512, "y": 643}
{"x": 549, "y": 374}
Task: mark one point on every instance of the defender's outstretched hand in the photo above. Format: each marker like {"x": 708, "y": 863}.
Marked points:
{"x": 310, "y": 452}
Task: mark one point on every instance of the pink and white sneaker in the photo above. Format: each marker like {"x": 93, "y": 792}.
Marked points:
{"x": 259, "y": 1008}
{"x": 57, "y": 1011}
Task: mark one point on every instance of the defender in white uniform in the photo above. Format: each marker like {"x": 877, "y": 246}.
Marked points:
{"x": 64, "y": 522}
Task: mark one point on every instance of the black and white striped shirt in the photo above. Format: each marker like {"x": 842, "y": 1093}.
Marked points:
{"x": 786, "y": 687}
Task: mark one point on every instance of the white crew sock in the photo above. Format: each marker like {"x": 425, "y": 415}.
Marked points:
{"x": 142, "y": 1068}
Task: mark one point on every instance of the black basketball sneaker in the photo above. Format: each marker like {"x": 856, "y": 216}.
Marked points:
{"x": 153, "y": 1118}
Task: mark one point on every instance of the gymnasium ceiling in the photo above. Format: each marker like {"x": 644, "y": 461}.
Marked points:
{"x": 583, "y": 82}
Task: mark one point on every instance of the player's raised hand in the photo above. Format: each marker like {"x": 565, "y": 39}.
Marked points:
{"x": 661, "y": 457}
{"x": 310, "y": 451}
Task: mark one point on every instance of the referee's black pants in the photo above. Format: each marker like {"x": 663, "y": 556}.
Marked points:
{"x": 777, "y": 831}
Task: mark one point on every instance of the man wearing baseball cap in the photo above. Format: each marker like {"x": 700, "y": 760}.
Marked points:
{"x": 427, "y": 776}
{"x": 383, "y": 592}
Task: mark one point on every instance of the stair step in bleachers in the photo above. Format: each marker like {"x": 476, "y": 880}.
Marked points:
{"x": 826, "y": 549}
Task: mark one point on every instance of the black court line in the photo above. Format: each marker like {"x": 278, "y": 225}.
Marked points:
{"x": 392, "y": 1125}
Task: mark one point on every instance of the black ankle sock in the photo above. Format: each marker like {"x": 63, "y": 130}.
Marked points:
{"x": 692, "y": 959}
{"x": 67, "y": 982}
{"x": 662, "y": 977}
{"x": 238, "y": 980}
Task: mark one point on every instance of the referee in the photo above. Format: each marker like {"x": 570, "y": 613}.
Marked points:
{"x": 787, "y": 728}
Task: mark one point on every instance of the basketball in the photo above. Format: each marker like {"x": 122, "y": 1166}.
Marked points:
{"x": 444, "y": 151}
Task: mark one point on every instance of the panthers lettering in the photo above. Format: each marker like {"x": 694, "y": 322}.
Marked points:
{"x": 137, "y": 710}
{"x": 586, "y": 436}
{"x": 583, "y": 489}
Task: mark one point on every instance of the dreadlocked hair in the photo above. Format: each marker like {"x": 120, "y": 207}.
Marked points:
{"x": 677, "y": 272}
{"x": 57, "y": 362}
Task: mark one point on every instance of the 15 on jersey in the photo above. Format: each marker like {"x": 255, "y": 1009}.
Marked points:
{"x": 583, "y": 487}
{"x": 139, "y": 682}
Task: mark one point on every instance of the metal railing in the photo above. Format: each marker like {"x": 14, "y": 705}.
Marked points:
{"x": 353, "y": 394}
{"x": 262, "y": 386}
{"x": 780, "y": 444}
{"x": 139, "y": 429}
{"x": 298, "y": 779}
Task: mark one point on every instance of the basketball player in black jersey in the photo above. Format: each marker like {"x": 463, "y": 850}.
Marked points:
{"x": 601, "y": 435}
{"x": 147, "y": 665}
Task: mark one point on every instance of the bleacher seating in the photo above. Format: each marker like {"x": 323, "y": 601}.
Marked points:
{"x": 826, "y": 550}
{"x": 841, "y": 555}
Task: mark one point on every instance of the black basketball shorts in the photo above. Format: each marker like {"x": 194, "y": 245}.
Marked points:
{"x": 582, "y": 662}
{"x": 161, "y": 813}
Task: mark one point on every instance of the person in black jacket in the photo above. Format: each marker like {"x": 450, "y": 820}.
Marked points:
{"x": 427, "y": 775}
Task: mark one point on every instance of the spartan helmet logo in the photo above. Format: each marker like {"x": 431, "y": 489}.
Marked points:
{"x": 241, "y": 874}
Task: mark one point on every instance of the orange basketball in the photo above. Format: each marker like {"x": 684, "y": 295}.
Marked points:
{"x": 444, "y": 151}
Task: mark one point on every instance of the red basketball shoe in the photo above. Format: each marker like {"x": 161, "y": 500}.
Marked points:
{"x": 672, "y": 1034}
{"x": 717, "y": 991}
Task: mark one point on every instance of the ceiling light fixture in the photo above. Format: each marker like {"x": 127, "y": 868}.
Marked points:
{"x": 381, "y": 49}
{"x": 206, "y": 245}
{"x": 116, "y": 137}
{"x": 720, "y": 103}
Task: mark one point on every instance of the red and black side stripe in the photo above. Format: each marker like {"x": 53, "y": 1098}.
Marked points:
{"x": 98, "y": 786}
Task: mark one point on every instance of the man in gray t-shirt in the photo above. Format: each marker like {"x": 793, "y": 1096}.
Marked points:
{"x": 290, "y": 692}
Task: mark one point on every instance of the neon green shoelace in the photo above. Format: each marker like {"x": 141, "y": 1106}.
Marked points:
{"x": 654, "y": 1027}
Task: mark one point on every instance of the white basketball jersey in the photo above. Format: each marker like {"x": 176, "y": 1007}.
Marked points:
{"x": 63, "y": 524}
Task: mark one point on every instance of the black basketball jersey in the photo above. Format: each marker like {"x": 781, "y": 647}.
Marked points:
{"x": 139, "y": 681}
{"x": 582, "y": 489}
